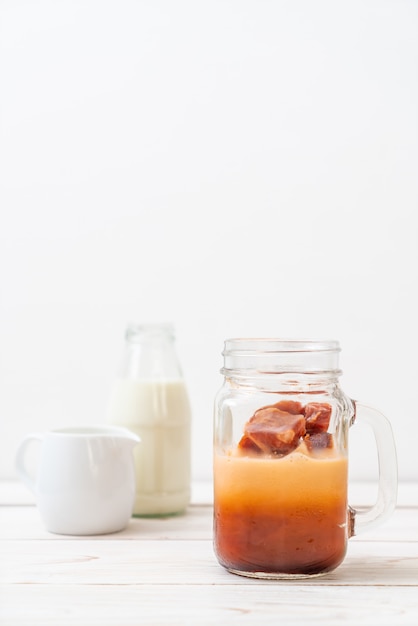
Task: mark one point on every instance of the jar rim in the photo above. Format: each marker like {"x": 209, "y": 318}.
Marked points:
{"x": 266, "y": 344}
{"x": 256, "y": 356}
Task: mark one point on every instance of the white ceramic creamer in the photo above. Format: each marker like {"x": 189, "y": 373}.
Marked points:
{"x": 85, "y": 479}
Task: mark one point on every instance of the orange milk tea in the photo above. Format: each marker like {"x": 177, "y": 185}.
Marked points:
{"x": 281, "y": 515}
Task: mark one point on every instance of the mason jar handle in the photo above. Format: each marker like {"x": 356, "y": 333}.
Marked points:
{"x": 388, "y": 471}
{"x": 20, "y": 462}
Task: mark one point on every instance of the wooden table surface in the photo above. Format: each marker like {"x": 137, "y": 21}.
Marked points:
{"x": 163, "y": 571}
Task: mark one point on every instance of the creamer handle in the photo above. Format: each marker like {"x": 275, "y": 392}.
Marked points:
{"x": 20, "y": 464}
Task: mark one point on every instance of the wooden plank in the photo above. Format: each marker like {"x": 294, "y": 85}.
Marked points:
{"x": 252, "y": 603}
{"x": 24, "y": 523}
{"x": 164, "y": 571}
{"x": 183, "y": 562}
{"x": 17, "y": 522}
{"x": 15, "y": 492}
{"x": 401, "y": 525}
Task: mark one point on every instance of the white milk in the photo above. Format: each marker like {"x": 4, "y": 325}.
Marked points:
{"x": 159, "y": 412}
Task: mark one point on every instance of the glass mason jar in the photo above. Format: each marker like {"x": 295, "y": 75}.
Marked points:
{"x": 281, "y": 460}
{"x": 149, "y": 397}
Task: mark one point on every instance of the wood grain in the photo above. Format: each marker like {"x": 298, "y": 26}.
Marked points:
{"x": 164, "y": 571}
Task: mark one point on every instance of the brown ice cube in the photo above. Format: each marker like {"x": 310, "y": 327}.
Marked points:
{"x": 317, "y": 417}
{"x": 318, "y": 441}
{"x": 247, "y": 445}
{"x": 290, "y": 406}
{"x": 274, "y": 431}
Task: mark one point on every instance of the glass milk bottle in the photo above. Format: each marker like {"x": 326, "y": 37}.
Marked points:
{"x": 150, "y": 398}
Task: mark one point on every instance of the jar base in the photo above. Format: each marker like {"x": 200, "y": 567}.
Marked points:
{"x": 275, "y": 575}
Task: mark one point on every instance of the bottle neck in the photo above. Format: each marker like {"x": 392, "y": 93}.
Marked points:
{"x": 150, "y": 352}
{"x": 149, "y": 333}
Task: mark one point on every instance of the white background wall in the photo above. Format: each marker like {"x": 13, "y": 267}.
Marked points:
{"x": 237, "y": 167}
